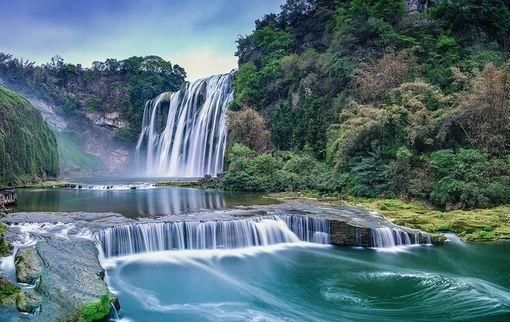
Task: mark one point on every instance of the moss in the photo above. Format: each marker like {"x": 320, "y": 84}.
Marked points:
{"x": 5, "y": 246}
{"x": 45, "y": 185}
{"x": 96, "y": 311}
{"x": 470, "y": 225}
{"x": 28, "y": 148}
{"x": 8, "y": 291}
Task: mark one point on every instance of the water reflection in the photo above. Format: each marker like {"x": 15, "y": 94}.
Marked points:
{"x": 133, "y": 203}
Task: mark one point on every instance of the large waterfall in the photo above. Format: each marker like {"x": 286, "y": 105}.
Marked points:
{"x": 229, "y": 234}
{"x": 184, "y": 133}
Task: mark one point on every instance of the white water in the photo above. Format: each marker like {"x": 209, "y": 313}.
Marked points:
{"x": 192, "y": 142}
{"x": 231, "y": 234}
{"x": 386, "y": 237}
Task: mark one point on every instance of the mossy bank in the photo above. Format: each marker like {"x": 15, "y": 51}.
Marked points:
{"x": 470, "y": 225}
{"x": 28, "y": 148}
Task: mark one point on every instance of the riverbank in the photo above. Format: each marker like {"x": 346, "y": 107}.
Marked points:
{"x": 470, "y": 225}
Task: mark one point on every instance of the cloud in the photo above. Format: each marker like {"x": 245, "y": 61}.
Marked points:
{"x": 203, "y": 62}
{"x": 199, "y": 35}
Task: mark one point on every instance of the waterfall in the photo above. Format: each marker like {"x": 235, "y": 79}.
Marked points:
{"x": 386, "y": 237}
{"x": 184, "y": 133}
{"x": 238, "y": 233}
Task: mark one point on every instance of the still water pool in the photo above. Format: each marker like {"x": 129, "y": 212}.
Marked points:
{"x": 141, "y": 202}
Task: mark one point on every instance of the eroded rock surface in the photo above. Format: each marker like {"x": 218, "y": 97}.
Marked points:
{"x": 67, "y": 276}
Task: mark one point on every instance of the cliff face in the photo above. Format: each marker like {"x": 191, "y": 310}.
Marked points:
{"x": 28, "y": 147}
{"x": 418, "y": 5}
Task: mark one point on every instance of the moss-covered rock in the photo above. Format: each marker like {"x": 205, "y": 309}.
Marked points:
{"x": 29, "y": 267}
{"x": 96, "y": 311}
{"x": 8, "y": 291}
{"x": 471, "y": 225}
{"x": 5, "y": 246}
{"x": 28, "y": 301}
{"x": 69, "y": 280}
{"x": 28, "y": 148}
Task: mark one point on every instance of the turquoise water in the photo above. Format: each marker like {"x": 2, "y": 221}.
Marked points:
{"x": 299, "y": 282}
{"x": 456, "y": 282}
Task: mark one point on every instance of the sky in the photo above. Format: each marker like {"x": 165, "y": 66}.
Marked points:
{"x": 199, "y": 35}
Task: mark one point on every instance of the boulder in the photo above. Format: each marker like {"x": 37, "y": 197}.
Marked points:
{"x": 28, "y": 265}
{"x": 68, "y": 278}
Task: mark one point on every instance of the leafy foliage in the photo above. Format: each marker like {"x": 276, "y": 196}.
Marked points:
{"x": 247, "y": 127}
{"x": 383, "y": 102}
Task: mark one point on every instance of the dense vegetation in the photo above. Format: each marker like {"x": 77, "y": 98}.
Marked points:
{"x": 364, "y": 98}
{"x": 28, "y": 148}
{"x": 111, "y": 86}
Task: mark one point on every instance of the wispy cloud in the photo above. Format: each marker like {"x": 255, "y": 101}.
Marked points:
{"x": 196, "y": 34}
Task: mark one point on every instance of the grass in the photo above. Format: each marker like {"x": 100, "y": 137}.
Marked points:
{"x": 470, "y": 225}
{"x": 45, "y": 185}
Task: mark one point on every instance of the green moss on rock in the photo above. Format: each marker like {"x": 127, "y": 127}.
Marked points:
{"x": 5, "y": 246}
{"x": 28, "y": 148}
{"x": 96, "y": 311}
{"x": 8, "y": 291}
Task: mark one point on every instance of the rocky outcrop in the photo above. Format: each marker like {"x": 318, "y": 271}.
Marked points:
{"x": 112, "y": 120}
{"x": 413, "y": 6}
{"x": 67, "y": 277}
{"x": 7, "y": 197}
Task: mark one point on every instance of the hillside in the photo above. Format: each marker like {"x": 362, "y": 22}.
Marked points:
{"x": 28, "y": 148}
{"x": 376, "y": 98}
{"x": 96, "y": 111}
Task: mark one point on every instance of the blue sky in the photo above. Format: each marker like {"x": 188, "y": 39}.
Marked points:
{"x": 196, "y": 34}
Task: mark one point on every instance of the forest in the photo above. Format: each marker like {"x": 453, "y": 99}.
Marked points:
{"x": 370, "y": 98}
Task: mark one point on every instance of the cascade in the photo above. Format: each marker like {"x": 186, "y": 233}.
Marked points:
{"x": 184, "y": 133}
{"x": 386, "y": 237}
{"x": 229, "y": 234}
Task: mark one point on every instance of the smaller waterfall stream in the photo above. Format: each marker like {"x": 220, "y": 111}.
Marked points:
{"x": 229, "y": 234}
{"x": 385, "y": 237}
